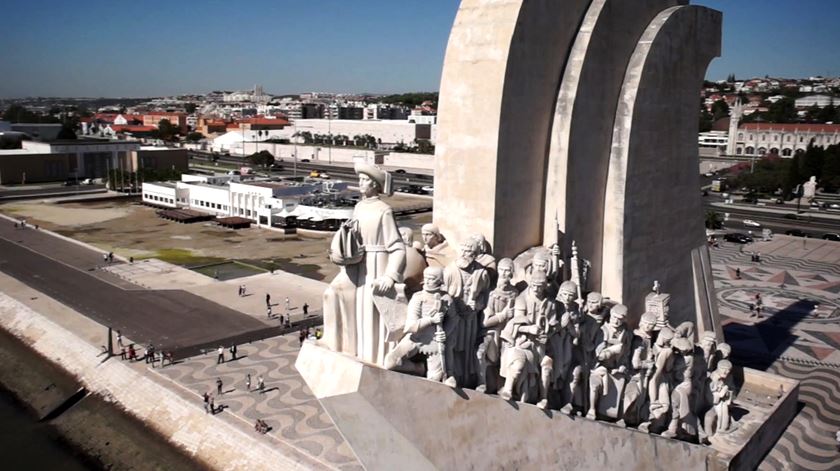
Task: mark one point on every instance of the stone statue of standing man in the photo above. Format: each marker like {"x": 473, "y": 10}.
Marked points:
{"x": 372, "y": 257}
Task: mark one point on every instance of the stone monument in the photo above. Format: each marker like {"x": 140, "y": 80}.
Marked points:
{"x": 567, "y": 152}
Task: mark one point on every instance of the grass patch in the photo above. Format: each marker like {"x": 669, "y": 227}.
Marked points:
{"x": 182, "y": 257}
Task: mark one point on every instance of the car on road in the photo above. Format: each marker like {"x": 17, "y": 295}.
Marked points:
{"x": 399, "y": 170}
{"x": 325, "y": 176}
{"x": 790, "y": 216}
{"x": 708, "y": 174}
{"x": 779, "y": 201}
{"x": 834, "y": 206}
{"x": 832, "y": 236}
{"x": 305, "y": 160}
{"x": 71, "y": 183}
{"x": 88, "y": 181}
{"x": 276, "y": 167}
{"x": 796, "y": 233}
{"x": 314, "y": 174}
{"x": 429, "y": 189}
{"x": 738, "y": 238}
{"x": 751, "y": 223}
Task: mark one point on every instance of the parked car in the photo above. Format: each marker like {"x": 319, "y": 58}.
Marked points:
{"x": 429, "y": 189}
{"x": 71, "y": 183}
{"x": 325, "y": 176}
{"x": 834, "y": 206}
{"x": 305, "y": 160}
{"x": 790, "y": 216}
{"x": 751, "y": 223}
{"x": 738, "y": 238}
{"x": 779, "y": 201}
{"x": 399, "y": 170}
{"x": 314, "y": 174}
{"x": 796, "y": 233}
{"x": 88, "y": 181}
{"x": 832, "y": 236}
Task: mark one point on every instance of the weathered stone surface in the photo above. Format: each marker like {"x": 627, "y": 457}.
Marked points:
{"x": 500, "y": 78}
{"x": 397, "y": 421}
{"x": 652, "y": 208}
{"x": 582, "y": 130}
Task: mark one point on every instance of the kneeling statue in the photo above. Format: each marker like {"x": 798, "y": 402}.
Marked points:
{"x": 430, "y": 321}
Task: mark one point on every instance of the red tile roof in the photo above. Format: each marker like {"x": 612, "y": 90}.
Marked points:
{"x": 795, "y": 127}
{"x": 130, "y": 128}
{"x": 265, "y": 121}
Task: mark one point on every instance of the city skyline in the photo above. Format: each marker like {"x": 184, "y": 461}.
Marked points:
{"x": 159, "y": 49}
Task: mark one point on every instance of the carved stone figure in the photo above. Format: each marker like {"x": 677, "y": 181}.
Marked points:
{"x": 566, "y": 348}
{"x": 415, "y": 263}
{"x": 705, "y": 361}
{"x": 642, "y": 360}
{"x": 468, "y": 283}
{"x": 543, "y": 261}
{"x": 608, "y": 377}
{"x": 719, "y": 395}
{"x": 594, "y": 315}
{"x": 499, "y": 310}
{"x": 352, "y": 322}
{"x": 809, "y": 188}
{"x": 683, "y": 420}
{"x": 436, "y": 248}
{"x": 525, "y": 365}
{"x": 660, "y": 382}
{"x": 430, "y": 323}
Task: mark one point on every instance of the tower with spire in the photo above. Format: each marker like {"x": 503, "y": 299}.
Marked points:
{"x": 735, "y": 114}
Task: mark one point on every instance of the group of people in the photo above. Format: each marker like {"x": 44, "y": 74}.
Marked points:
{"x": 150, "y": 355}
{"x": 525, "y": 331}
{"x": 539, "y": 341}
{"x": 305, "y": 333}
{"x": 220, "y": 353}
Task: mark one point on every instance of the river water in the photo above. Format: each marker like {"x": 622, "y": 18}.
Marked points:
{"x": 26, "y": 444}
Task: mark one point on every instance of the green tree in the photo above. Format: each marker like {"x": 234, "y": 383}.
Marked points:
{"x": 713, "y": 220}
{"x": 827, "y": 113}
{"x": 783, "y": 111}
{"x": 831, "y": 169}
{"x": 792, "y": 178}
{"x": 811, "y": 163}
{"x": 720, "y": 109}
{"x": 730, "y": 78}
{"x": 190, "y": 108}
{"x": 195, "y": 136}
{"x": 166, "y": 130}
{"x": 262, "y": 158}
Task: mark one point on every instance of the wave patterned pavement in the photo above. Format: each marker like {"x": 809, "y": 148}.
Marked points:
{"x": 286, "y": 405}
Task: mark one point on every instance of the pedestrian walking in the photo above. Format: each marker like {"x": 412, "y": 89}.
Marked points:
{"x": 206, "y": 403}
{"x": 219, "y": 386}
{"x": 212, "y": 405}
{"x": 130, "y": 259}
{"x": 119, "y": 338}
{"x": 221, "y": 357}
{"x": 737, "y": 273}
{"x": 288, "y": 322}
{"x": 232, "y": 350}
{"x": 302, "y": 336}
{"x": 110, "y": 257}
{"x": 105, "y": 258}
{"x": 169, "y": 357}
{"x": 318, "y": 334}
{"x": 160, "y": 358}
{"x": 260, "y": 384}
{"x": 132, "y": 354}
{"x": 123, "y": 353}
{"x": 305, "y": 309}
{"x": 269, "y": 313}
{"x": 288, "y": 305}
{"x": 244, "y": 290}
{"x": 282, "y": 317}
{"x": 752, "y": 310}
{"x": 267, "y": 300}
{"x": 248, "y": 382}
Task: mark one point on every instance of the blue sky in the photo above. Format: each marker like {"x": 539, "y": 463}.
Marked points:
{"x": 151, "y": 47}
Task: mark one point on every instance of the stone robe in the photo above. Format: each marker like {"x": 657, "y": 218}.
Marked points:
{"x": 351, "y": 320}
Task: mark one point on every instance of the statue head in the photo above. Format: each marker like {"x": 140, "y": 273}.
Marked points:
{"x": 431, "y": 235}
{"x": 482, "y": 246}
{"x": 724, "y": 367}
{"x": 682, "y": 346}
{"x": 407, "y": 235}
{"x": 541, "y": 262}
{"x": 594, "y": 303}
{"x": 724, "y": 350}
{"x": 665, "y": 337}
{"x": 505, "y": 271}
{"x": 708, "y": 342}
{"x": 539, "y": 282}
{"x": 647, "y": 323}
{"x": 467, "y": 253}
{"x": 372, "y": 180}
{"x": 432, "y": 278}
{"x": 617, "y": 315}
{"x": 567, "y": 292}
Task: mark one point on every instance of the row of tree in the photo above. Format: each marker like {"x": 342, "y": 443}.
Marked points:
{"x": 772, "y": 174}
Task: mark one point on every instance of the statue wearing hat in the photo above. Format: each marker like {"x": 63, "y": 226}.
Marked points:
{"x": 606, "y": 383}
{"x": 372, "y": 257}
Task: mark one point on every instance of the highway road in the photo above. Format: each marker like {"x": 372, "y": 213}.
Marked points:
{"x": 812, "y": 223}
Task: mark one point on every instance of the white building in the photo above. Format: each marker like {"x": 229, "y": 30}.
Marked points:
{"x": 758, "y": 139}
{"x": 714, "y": 139}
{"x": 264, "y": 202}
{"x": 820, "y": 100}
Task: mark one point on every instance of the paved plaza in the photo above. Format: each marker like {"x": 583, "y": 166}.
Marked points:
{"x": 797, "y": 335}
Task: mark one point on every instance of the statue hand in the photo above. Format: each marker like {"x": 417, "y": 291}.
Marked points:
{"x": 436, "y": 318}
{"x": 382, "y": 285}
{"x": 542, "y": 337}
{"x": 440, "y": 337}
{"x": 471, "y": 303}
